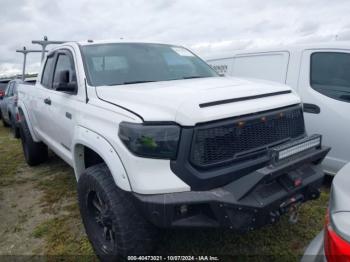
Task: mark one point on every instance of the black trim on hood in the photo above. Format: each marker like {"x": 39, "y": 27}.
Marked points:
{"x": 233, "y": 100}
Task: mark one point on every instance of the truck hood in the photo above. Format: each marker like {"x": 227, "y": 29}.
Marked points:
{"x": 190, "y": 101}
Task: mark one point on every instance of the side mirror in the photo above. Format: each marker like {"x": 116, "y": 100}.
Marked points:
{"x": 63, "y": 83}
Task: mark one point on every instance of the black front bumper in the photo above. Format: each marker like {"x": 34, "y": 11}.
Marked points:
{"x": 250, "y": 202}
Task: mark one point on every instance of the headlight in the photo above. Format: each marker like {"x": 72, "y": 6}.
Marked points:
{"x": 153, "y": 141}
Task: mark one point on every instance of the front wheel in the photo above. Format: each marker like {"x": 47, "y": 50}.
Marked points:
{"x": 112, "y": 222}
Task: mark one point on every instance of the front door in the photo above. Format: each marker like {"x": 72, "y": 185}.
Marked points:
{"x": 325, "y": 89}
{"x": 64, "y": 105}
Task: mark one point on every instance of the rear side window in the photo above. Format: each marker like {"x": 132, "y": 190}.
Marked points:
{"x": 330, "y": 74}
{"x": 46, "y": 78}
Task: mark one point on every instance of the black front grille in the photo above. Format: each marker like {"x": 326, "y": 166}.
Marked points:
{"x": 232, "y": 139}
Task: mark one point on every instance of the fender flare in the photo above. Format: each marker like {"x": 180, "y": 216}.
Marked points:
{"x": 85, "y": 137}
{"x": 22, "y": 110}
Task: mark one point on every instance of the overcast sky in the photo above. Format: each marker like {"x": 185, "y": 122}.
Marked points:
{"x": 206, "y": 26}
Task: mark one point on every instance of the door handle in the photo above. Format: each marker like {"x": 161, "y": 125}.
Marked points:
{"x": 311, "y": 108}
{"x": 47, "y": 101}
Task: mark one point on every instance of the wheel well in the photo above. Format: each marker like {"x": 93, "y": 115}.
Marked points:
{"x": 85, "y": 157}
{"x": 91, "y": 158}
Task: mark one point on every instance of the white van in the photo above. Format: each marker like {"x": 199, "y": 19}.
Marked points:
{"x": 320, "y": 73}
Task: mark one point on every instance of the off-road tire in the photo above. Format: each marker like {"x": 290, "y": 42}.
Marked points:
{"x": 35, "y": 153}
{"x": 133, "y": 235}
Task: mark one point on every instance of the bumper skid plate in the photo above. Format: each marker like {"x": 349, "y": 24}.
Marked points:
{"x": 246, "y": 204}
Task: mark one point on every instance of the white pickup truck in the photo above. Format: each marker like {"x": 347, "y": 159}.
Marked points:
{"x": 157, "y": 139}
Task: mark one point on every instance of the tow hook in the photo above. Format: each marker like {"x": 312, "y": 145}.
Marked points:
{"x": 292, "y": 206}
{"x": 294, "y": 213}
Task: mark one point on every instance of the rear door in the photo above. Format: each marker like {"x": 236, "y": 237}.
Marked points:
{"x": 40, "y": 100}
{"x": 325, "y": 89}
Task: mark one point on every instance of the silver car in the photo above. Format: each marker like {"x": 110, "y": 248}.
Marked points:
{"x": 8, "y": 106}
{"x": 333, "y": 243}
{"x": 3, "y": 86}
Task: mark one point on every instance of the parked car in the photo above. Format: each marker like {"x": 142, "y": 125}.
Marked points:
{"x": 3, "y": 85}
{"x": 333, "y": 243}
{"x": 320, "y": 75}
{"x": 157, "y": 139}
{"x": 8, "y": 107}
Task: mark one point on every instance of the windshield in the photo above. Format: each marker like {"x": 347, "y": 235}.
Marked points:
{"x": 130, "y": 63}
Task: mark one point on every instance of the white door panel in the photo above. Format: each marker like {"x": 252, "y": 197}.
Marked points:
{"x": 333, "y": 119}
{"x": 270, "y": 66}
{"x": 64, "y": 111}
{"x": 41, "y": 110}
{"x": 63, "y": 104}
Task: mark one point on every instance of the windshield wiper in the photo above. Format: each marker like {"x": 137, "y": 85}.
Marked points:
{"x": 137, "y": 82}
{"x": 190, "y": 77}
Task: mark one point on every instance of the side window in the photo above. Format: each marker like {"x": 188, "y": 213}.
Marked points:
{"x": 330, "y": 74}
{"x": 13, "y": 89}
{"x": 9, "y": 89}
{"x": 64, "y": 63}
{"x": 45, "y": 79}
